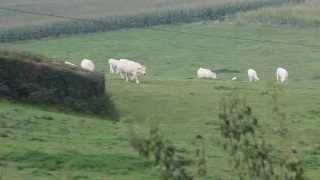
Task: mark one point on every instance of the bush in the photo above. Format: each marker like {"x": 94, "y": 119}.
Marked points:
{"x": 252, "y": 155}
{"x": 36, "y": 79}
{"x": 154, "y": 147}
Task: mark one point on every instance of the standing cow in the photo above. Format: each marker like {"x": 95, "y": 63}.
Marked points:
{"x": 130, "y": 70}
{"x": 282, "y": 75}
{"x": 252, "y": 75}
{"x": 113, "y": 66}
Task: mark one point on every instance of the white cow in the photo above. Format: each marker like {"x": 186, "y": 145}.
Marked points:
{"x": 69, "y": 63}
{"x": 113, "y": 63}
{"x": 282, "y": 74}
{"x": 252, "y": 75}
{"x": 131, "y": 70}
{"x": 234, "y": 78}
{"x": 206, "y": 73}
{"x": 87, "y": 65}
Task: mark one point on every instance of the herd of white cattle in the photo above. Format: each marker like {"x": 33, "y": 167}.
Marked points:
{"x": 281, "y": 74}
{"x": 131, "y": 70}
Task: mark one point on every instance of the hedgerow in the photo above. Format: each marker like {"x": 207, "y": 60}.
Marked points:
{"x": 82, "y": 26}
{"x": 39, "y": 80}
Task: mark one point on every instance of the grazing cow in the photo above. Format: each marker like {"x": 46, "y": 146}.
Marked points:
{"x": 87, "y": 65}
{"x": 234, "y": 78}
{"x": 69, "y": 63}
{"x": 113, "y": 63}
{"x": 282, "y": 74}
{"x": 252, "y": 75}
{"x": 206, "y": 73}
{"x": 131, "y": 70}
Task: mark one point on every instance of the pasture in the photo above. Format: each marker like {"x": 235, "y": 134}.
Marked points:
{"x": 89, "y": 9}
{"x": 40, "y": 143}
{"x": 305, "y": 15}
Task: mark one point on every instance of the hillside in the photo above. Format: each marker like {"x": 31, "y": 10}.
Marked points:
{"x": 305, "y": 15}
{"x": 88, "y": 9}
{"x": 75, "y": 24}
{"x": 45, "y": 144}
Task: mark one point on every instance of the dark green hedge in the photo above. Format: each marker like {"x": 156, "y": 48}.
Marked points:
{"x": 174, "y": 16}
{"x": 35, "y": 79}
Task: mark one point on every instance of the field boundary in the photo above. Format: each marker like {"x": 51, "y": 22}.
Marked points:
{"x": 83, "y": 26}
{"x": 38, "y": 80}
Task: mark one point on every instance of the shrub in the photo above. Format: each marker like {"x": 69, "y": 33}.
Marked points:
{"x": 251, "y": 154}
{"x": 36, "y": 79}
{"x": 154, "y": 147}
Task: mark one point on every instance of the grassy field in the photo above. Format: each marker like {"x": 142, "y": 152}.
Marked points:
{"x": 73, "y": 24}
{"x": 299, "y": 15}
{"x": 38, "y": 143}
{"x": 89, "y": 9}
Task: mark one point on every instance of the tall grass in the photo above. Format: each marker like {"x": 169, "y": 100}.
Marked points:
{"x": 137, "y": 21}
{"x": 296, "y": 15}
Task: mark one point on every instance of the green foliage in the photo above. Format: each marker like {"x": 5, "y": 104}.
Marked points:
{"x": 37, "y": 80}
{"x": 297, "y": 1}
{"x": 162, "y": 152}
{"x": 252, "y": 155}
{"x": 238, "y": 126}
{"x": 137, "y": 21}
{"x": 292, "y": 168}
{"x": 201, "y": 155}
{"x": 275, "y": 92}
{"x": 237, "y": 121}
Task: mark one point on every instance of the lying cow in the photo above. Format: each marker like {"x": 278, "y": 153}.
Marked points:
{"x": 252, "y": 75}
{"x": 130, "y": 70}
{"x": 282, "y": 74}
{"x": 206, "y": 73}
{"x": 87, "y": 65}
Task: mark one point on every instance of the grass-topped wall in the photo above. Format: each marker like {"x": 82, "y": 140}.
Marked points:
{"x": 35, "y": 79}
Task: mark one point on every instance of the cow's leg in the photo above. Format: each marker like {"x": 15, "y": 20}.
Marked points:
{"x": 111, "y": 69}
{"x": 126, "y": 75}
{"x": 121, "y": 75}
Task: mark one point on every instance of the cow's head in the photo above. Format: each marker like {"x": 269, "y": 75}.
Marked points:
{"x": 142, "y": 70}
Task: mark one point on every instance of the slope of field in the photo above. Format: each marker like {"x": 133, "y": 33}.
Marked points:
{"x": 298, "y": 15}
{"x": 89, "y": 9}
{"x": 43, "y": 144}
{"x": 71, "y": 25}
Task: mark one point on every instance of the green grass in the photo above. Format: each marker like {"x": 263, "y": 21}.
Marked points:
{"x": 88, "y": 9}
{"x": 40, "y": 144}
{"x": 170, "y": 15}
{"x": 306, "y": 15}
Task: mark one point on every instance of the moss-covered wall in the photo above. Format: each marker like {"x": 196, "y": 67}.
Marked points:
{"x": 36, "y": 79}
